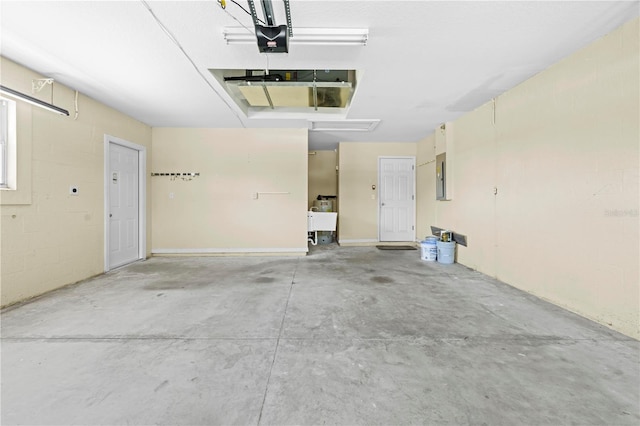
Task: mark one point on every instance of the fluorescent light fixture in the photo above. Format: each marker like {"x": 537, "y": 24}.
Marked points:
{"x": 33, "y": 101}
{"x": 308, "y": 36}
{"x": 354, "y": 125}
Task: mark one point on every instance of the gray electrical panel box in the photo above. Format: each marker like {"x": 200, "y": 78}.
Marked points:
{"x": 441, "y": 176}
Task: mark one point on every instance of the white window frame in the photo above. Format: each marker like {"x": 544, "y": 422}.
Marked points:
{"x": 8, "y": 145}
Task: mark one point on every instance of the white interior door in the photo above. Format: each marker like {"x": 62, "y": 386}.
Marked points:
{"x": 123, "y": 205}
{"x": 397, "y": 199}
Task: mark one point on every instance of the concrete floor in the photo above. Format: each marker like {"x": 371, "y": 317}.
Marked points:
{"x": 342, "y": 336}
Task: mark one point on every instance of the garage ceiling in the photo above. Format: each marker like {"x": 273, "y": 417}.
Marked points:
{"x": 425, "y": 62}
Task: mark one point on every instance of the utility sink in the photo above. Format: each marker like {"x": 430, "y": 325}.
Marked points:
{"x": 320, "y": 221}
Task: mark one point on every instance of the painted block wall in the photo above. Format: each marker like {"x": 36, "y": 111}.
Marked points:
{"x": 50, "y": 238}
{"x": 357, "y": 202}
{"x": 217, "y": 212}
{"x": 562, "y": 152}
{"x": 323, "y": 177}
{"x": 425, "y": 186}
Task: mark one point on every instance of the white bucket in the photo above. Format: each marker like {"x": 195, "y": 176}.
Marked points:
{"x": 446, "y": 251}
{"x": 429, "y": 249}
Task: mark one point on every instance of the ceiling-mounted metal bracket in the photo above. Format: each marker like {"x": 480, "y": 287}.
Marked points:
{"x": 254, "y": 15}
{"x": 287, "y": 11}
{"x": 38, "y": 83}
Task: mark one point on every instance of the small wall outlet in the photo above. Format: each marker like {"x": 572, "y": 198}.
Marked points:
{"x": 74, "y": 190}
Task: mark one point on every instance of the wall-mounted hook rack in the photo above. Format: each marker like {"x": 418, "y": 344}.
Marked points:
{"x": 184, "y": 175}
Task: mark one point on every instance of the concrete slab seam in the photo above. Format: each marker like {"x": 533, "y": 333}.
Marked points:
{"x": 275, "y": 352}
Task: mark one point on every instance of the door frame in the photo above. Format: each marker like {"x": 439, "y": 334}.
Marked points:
{"x": 415, "y": 194}
{"x": 142, "y": 195}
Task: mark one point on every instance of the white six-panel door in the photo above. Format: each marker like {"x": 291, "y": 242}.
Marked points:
{"x": 123, "y": 205}
{"x": 397, "y": 199}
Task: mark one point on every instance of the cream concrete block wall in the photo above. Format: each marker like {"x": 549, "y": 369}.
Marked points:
{"x": 425, "y": 186}
{"x": 216, "y": 212}
{"x": 50, "y": 238}
{"x": 474, "y": 202}
{"x": 323, "y": 177}
{"x": 357, "y": 202}
{"x": 562, "y": 152}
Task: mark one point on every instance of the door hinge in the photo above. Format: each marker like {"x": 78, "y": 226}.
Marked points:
{"x": 413, "y": 197}
{"x": 413, "y": 228}
{"x": 413, "y": 167}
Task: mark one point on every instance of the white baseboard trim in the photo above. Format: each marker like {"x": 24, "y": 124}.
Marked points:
{"x": 358, "y": 242}
{"x": 262, "y": 250}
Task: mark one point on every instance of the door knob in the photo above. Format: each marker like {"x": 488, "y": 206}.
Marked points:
{"x": 110, "y": 215}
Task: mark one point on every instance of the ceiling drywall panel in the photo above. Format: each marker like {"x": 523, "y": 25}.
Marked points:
{"x": 425, "y": 62}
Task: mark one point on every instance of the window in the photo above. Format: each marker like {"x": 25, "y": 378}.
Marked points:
{"x": 7, "y": 144}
